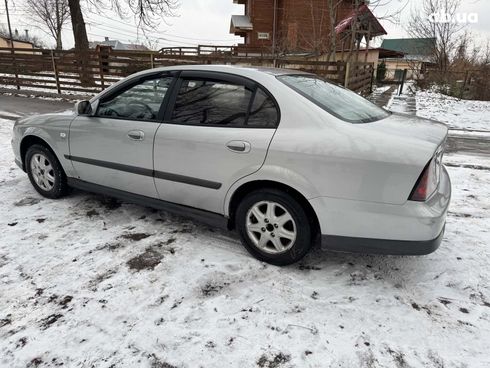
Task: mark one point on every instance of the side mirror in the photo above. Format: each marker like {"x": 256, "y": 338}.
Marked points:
{"x": 83, "y": 108}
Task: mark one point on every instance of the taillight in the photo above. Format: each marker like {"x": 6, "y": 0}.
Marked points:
{"x": 429, "y": 179}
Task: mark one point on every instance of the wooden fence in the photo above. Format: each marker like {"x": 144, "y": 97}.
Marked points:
{"x": 214, "y": 50}
{"x": 41, "y": 71}
{"x": 359, "y": 77}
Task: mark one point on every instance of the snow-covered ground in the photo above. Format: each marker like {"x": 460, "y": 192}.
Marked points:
{"x": 87, "y": 281}
{"x": 457, "y": 114}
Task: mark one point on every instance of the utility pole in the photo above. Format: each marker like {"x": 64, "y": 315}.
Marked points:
{"x": 12, "y": 44}
{"x": 274, "y": 30}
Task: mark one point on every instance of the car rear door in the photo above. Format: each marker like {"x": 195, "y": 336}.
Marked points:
{"x": 114, "y": 146}
{"x": 217, "y": 130}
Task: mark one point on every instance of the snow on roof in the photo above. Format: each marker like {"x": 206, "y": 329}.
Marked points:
{"x": 363, "y": 14}
{"x": 117, "y": 45}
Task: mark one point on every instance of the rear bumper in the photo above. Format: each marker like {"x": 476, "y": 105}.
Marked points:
{"x": 410, "y": 228}
{"x": 381, "y": 246}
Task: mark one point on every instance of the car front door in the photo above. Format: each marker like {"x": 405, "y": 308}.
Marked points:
{"x": 217, "y": 130}
{"x": 114, "y": 146}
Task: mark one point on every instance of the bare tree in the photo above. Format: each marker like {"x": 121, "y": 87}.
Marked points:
{"x": 81, "y": 42}
{"x": 434, "y": 21}
{"x": 351, "y": 39}
{"x": 321, "y": 38}
{"x": 149, "y": 13}
{"x": 332, "y": 21}
{"x": 51, "y": 13}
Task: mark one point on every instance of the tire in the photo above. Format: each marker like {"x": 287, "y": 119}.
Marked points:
{"x": 45, "y": 172}
{"x": 266, "y": 230}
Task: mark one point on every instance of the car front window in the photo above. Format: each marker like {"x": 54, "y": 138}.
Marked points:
{"x": 140, "y": 102}
{"x": 338, "y": 101}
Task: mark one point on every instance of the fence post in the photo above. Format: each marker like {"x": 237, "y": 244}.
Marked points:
{"x": 464, "y": 84}
{"x": 372, "y": 79}
{"x": 101, "y": 69}
{"x": 404, "y": 76}
{"x": 152, "y": 60}
{"x": 56, "y": 75}
{"x": 17, "y": 82}
{"x": 347, "y": 75}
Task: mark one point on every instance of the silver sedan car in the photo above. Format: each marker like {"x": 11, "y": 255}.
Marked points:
{"x": 282, "y": 156}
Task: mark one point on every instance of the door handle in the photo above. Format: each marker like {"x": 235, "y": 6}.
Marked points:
{"x": 136, "y": 135}
{"x": 239, "y": 146}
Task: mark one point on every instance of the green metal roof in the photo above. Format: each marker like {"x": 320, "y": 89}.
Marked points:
{"x": 411, "y": 46}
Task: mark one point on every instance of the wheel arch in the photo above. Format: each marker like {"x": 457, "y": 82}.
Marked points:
{"x": 29, "y": 141}
{"x": 251, "y": 186}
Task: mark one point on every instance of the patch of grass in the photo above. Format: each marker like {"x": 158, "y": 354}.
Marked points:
{"x": 145, "y": 261}
{"x": 135, "y": 236}
{"x": 92, "y": 213}
{"x": 212, "y": 288}
{"x": 45, "y": 323}
{"x": 273, "y": 362}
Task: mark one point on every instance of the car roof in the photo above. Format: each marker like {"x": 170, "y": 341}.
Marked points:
{"x": 255, "y": 73}
{"x": 234, "y": 69}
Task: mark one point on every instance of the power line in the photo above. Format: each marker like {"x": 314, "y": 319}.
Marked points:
{"x": 165, "y": 33}
{"x": 144, "y": 32}
{"x": 136, "y": 35}
{"x": 127, "y": 34}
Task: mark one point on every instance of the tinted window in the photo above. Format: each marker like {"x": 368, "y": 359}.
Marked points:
{"x": 140, "y": 102}
{"x": 338, "y": 101}
{"x": 208, "y": 102}
{"x": 263, "y": 112}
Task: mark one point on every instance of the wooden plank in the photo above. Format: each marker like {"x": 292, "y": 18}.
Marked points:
{"x": 25, "y": 62}
{"x": 45, "y": 75}
{"x": 42, "y": 82}
{"x": 44, "y": 86}
{"x": 11, "y": 78}
{"x": 46, "y": 94}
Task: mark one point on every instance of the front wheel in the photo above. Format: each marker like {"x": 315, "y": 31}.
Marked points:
{"x": 45, "y": 172}
{"x": 274, "y": 227}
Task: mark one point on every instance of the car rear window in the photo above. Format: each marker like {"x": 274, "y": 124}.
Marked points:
{"x": 223, "y": 104}
{"x": 205, "y": 102}
{"x": 336, "y": 100}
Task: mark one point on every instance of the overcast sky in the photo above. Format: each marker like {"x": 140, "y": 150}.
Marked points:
{"x": 208, "y": 22}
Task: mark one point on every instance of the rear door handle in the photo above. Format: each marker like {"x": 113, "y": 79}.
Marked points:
{"x": 136, "y": 135}
{"x": 239, "y": 146}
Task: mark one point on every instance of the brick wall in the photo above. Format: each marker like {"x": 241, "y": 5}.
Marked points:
{"x": 262, "y": 16}
{"x": 302, "y": 25}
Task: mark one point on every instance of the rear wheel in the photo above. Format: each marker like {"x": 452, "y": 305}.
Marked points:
{"x": 273, "y": 226}
{"x": 45, "y": 172}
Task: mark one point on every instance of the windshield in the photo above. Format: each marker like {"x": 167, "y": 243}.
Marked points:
{"x": 338, "y": 101}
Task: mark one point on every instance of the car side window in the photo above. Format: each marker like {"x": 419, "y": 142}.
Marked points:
{"x": 263, "y": 113}
{"x": 140, "y": 102}
{"x": 210, "y": 102}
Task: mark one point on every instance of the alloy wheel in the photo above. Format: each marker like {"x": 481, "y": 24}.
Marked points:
{"x": 42, "y": 172}
{"x": 271, "y": 227}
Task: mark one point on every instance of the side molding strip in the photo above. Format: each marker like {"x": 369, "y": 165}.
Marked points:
{"x": 148, "y": 172}
{"x": 206, "y": 217}
{"x": 187, "y": 180}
